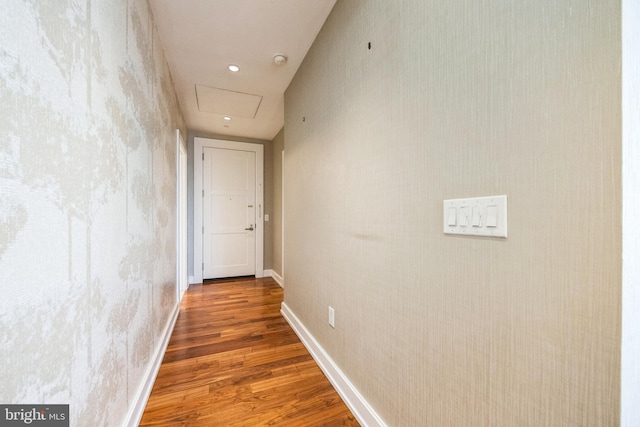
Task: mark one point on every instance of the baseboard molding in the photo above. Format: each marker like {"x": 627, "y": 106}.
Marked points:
{"x": 278, "y": 278}
{"x": 142, "y": 395}
{"x": 360, "y": 408}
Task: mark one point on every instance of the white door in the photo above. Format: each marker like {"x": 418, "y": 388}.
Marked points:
{"x": 229, "y": 213}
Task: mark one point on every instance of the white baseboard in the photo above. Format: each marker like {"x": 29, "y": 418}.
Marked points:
{"x": 136, "y": 410}
{"x": 278, "y": 278}
{"x": 360, "y": 408}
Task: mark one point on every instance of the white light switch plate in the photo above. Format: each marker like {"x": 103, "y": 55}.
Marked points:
{"x": 479, "y": 216}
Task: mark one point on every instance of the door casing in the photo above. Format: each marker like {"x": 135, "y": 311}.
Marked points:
{"x": 199, "y": 144}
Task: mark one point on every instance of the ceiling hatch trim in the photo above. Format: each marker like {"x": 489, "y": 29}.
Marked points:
{"x": 227, "y": 102}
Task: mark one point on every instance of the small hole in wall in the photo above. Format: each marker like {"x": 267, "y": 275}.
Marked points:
{"x": 304, "y": 119}
{"x": 369, "y": 45}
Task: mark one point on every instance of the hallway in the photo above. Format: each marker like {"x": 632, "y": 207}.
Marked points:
{"x": 234, "y": 361}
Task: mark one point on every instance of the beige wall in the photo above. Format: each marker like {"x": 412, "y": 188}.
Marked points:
{"x": 87, "y": 203}
{"x": 277, "y": 147}
{"x": 268, "y": 205}
{"x": 461, "y": 99}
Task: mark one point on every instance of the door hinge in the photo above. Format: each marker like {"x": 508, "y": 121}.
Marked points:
{"x": 202, "y": 193}
{"x": 203, "y": 229}
{"x": 203, "y": 157}
{"x": 203, "y": 266}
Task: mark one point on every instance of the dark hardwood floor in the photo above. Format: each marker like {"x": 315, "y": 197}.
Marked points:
{"x": 234, "y": 361}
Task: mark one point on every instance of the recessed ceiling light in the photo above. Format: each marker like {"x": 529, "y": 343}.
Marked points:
{"x": 227, "y": 118}
{"x": 233, "y": 68}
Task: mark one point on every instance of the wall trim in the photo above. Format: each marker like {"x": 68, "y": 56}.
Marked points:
{"x": 360, "y": 408}
{"x": 278, "y": 278}
{"x": 136, "y": 410}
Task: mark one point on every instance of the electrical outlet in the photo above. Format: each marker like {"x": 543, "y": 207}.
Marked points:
{"x": 332, "y": 317}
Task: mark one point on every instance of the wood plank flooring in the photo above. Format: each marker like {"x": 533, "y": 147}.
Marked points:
{"x": 234, "y": 361}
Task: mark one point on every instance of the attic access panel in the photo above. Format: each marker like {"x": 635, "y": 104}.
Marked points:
{"x": 227, "y": 102}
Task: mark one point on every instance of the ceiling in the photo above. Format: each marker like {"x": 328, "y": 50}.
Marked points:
{"x": 201, "y": 38}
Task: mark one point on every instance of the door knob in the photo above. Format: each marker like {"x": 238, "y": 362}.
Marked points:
{"x": 250, "y": 228}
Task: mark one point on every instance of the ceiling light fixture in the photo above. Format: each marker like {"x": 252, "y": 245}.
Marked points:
{"x": 233, "y": 68}
{"x": 280, "y": 59}
{"x": 227, "y": 118}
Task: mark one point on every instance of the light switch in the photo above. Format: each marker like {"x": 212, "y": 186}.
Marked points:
{"x": 266, "y": 217}
{"x": 463, "y": 217}
{"x": 475, "y": 216}
{"x": 492, "y": 216}
{"x": 451, "y": 219}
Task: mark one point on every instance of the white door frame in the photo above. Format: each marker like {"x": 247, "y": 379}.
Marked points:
{"x": 182, "y": 269}
{"x": 199, "y": 144}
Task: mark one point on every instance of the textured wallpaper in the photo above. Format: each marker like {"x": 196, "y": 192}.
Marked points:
{"x": 276, "y": 202}
{"x": 87, "y": 203}
{"x": 400, "y": 105}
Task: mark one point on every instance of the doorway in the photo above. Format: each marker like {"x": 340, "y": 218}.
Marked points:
{"x": 228, "y": 209}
